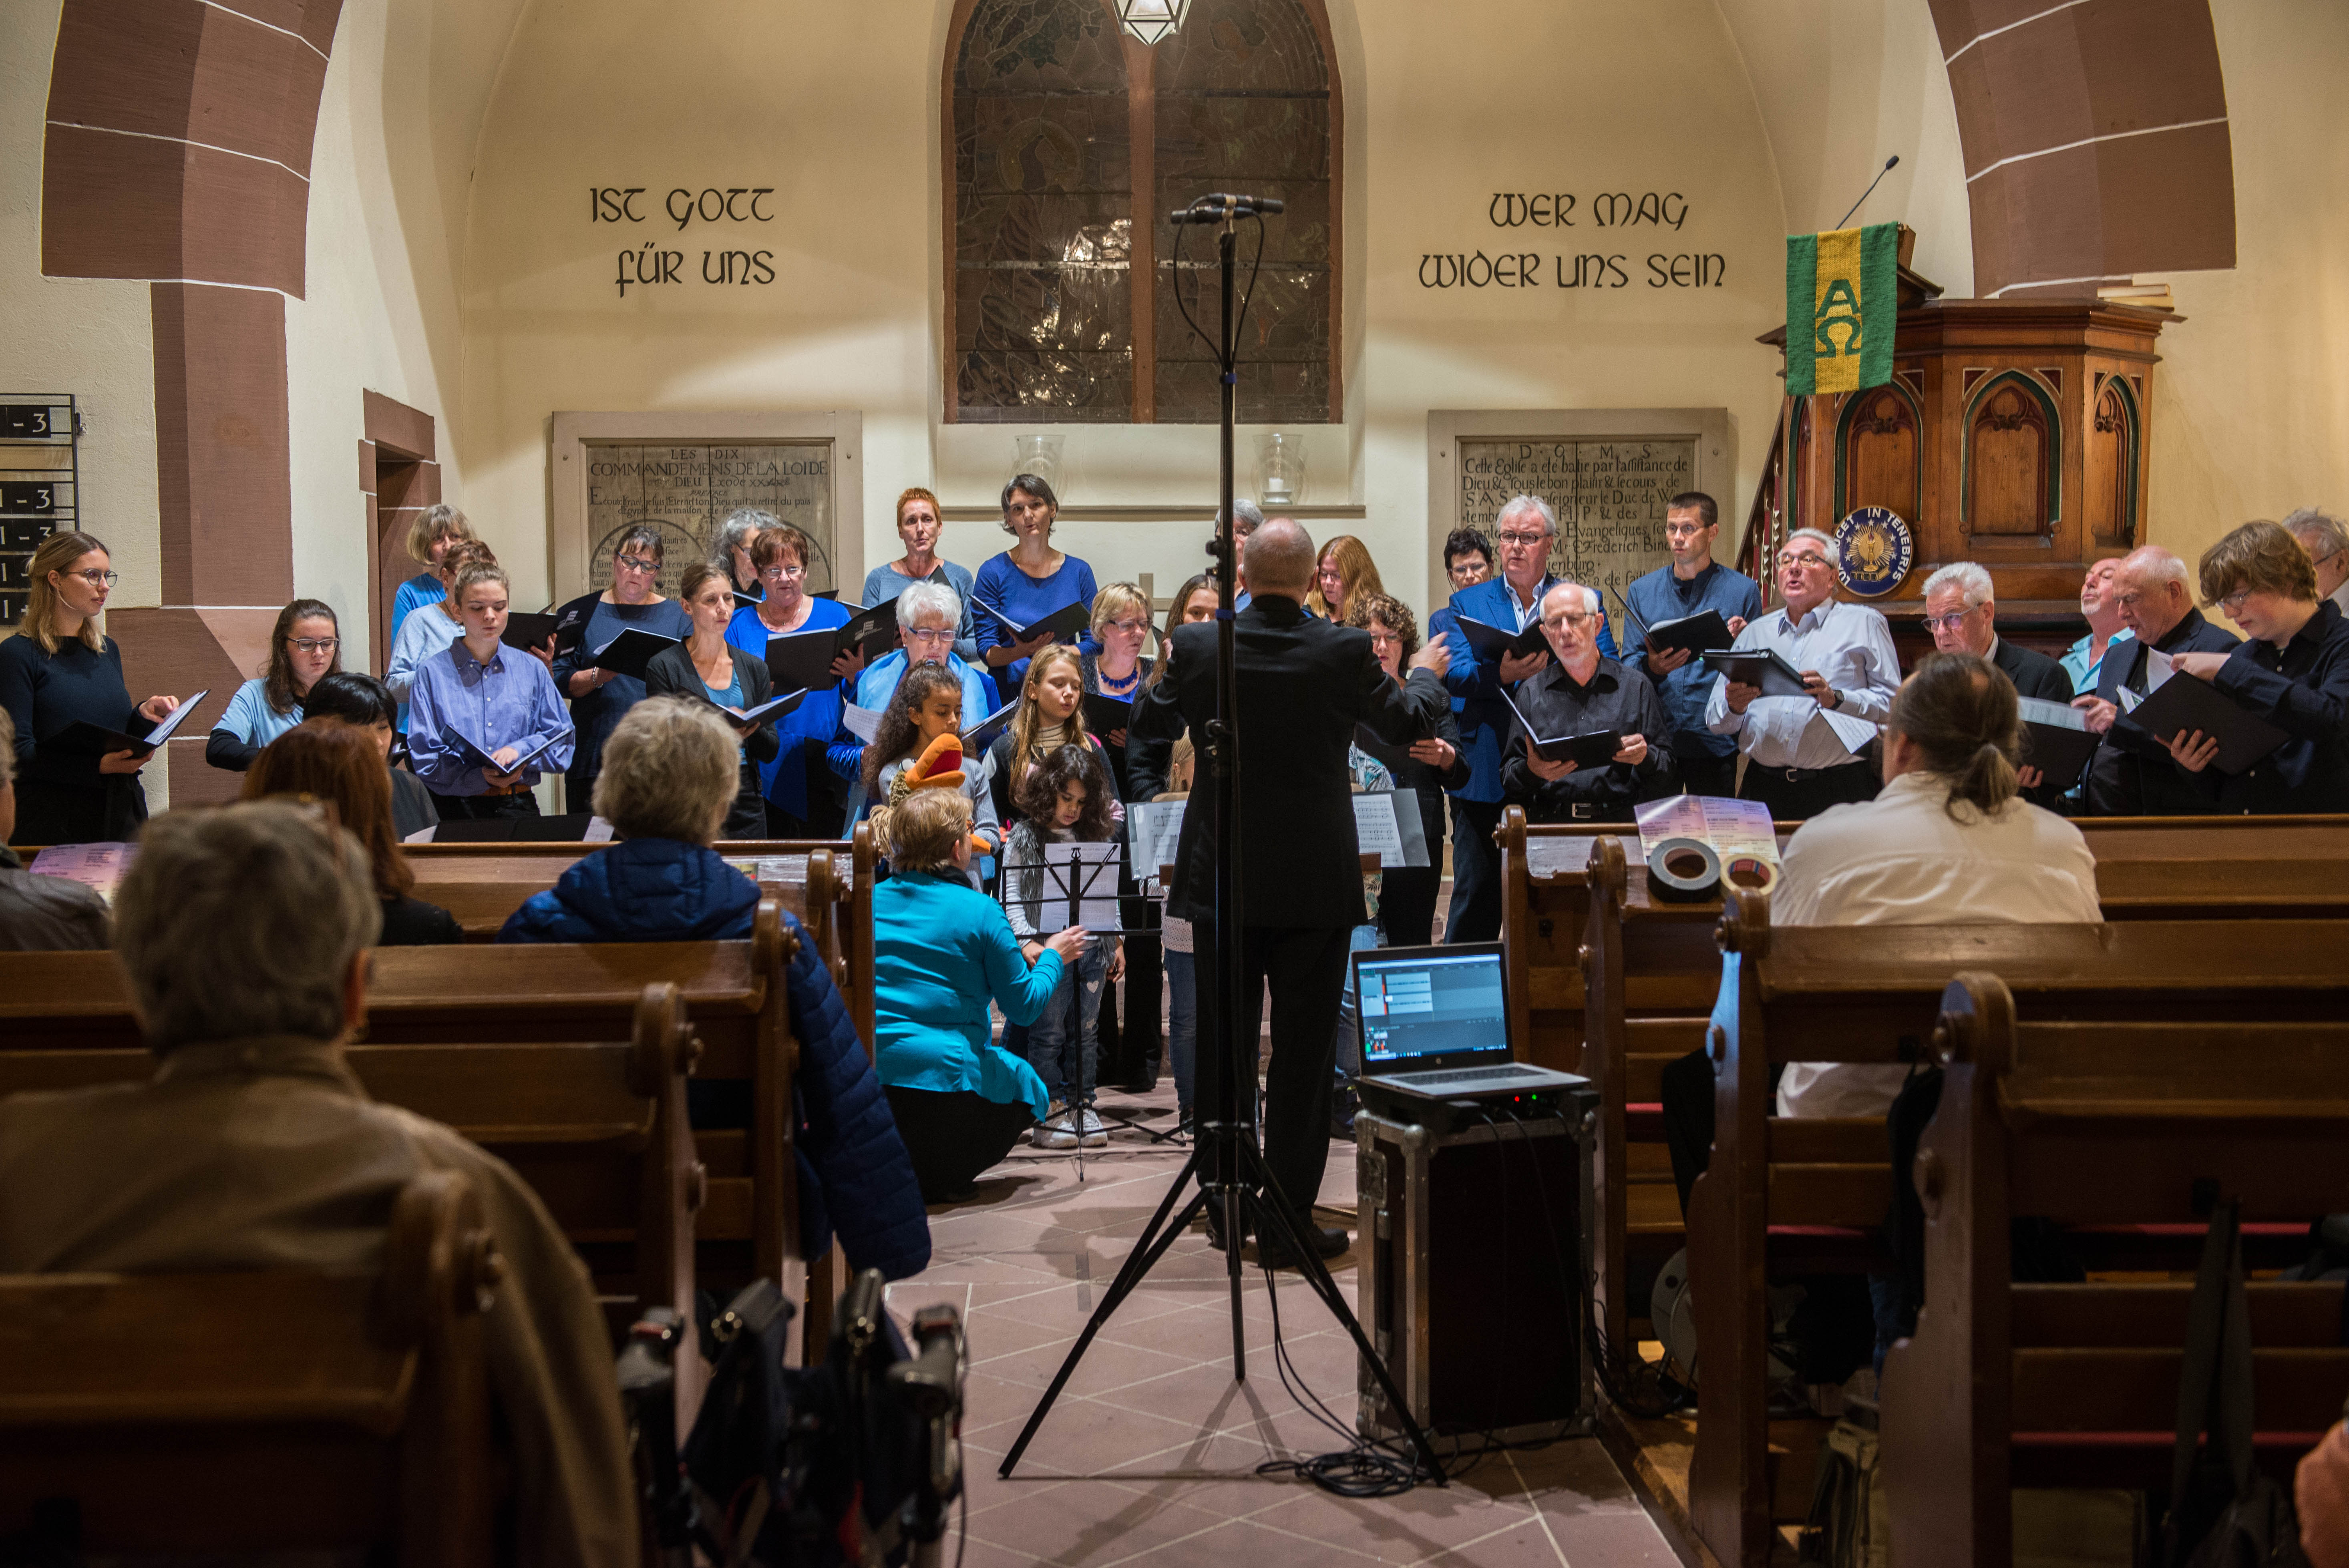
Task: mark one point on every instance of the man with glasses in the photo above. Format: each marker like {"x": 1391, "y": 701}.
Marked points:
{"x": 2326, "y": 540}
{"x": 1692, "y": 583}
{"x": 1803, "y": 754}
{"x": 2133, "y": 774}
{"x": 1962, "y": 614}
{"x": 1527, "y": 529}
{"x": 1583, "y": 692}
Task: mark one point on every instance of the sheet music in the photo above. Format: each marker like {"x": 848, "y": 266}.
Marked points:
{"x": 1154, "y": 831}
{"x": 1733, "y": 828}
{"x": 863, "y": 723}
{"x": 599, "y": 831}
{"x": 1086, "y": 874}
{"x": 1852, "y": 730}
{"x": 1380, "y": 825}
{"x": 2158, "y": 667}
{"x": 422, "y": 835}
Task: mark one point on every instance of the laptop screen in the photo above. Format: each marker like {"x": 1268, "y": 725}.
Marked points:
{"x": 1427, "y": 1002}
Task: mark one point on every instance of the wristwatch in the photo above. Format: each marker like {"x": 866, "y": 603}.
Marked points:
{"x": 1837, "y": 693}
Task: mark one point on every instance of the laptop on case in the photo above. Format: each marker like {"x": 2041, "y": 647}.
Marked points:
{"x": 1433, "y": 1026}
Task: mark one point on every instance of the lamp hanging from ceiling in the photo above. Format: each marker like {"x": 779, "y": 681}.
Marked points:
{"x": 1152, "y": 20}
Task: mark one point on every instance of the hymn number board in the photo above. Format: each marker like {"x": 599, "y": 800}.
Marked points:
{"x": 1608, "y": 493}
{"x": 686, "y": 490}
{"x": 38, "y": 492}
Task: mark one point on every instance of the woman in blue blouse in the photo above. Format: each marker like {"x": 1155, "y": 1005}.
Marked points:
{"x": 303, "y": 649}
{"x": 801, "y": 801}
{"x": 589, "y": 624}
{"x": 1027, "y": 582}
{"x": 941, "y": 950}
{"x": 436, "y": 528}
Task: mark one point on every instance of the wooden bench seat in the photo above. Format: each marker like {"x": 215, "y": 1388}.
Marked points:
{"x": 2105, "y": 1128}
{"x": 1781, "y": 1196}
{"x": 251, "y": 1412}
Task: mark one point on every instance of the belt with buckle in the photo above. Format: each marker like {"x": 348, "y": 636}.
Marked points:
{"x": 1584, "y": 811}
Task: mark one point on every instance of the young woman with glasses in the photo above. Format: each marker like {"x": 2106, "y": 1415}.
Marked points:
{"x": 304, "y": 648}
{"x": 62, "y": 668}
{"x": 599, "y": 697}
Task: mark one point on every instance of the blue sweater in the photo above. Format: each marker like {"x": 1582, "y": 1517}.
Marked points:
{"x": 1026, "y": 599}
{"x": 1659, "y": 597}
{"x": 941, "y": 950}
{"x": 852, "y": 1165}
{"x": 418, "y": 590}
{"x": 807, "y": 730}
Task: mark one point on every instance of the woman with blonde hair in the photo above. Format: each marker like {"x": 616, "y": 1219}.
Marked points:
{"x": 1113, "y": 668}
{"x": 304, "y": 649}
{"x": 1342, "y": 573}
{"x": 1051, "y": 715}
{"x": 61, "y": 669}
{"x": 429, "y": 539}
{"x": 918, "y": 526}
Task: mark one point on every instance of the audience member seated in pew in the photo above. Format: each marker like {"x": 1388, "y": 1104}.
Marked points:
{"x": 243, "y": 932}
{"x": 1949, "y": 841}
{"x": 38, "y": 913}
{"x": 334, "y": 763}
{"x": 2321, "y": 1496}
{"x": 670, "y": 773}
{"x": 366, "y": 705}
{"x": 941, "y": 949}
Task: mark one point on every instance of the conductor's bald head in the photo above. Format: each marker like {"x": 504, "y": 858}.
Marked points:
{"x": 1278, "y": 560}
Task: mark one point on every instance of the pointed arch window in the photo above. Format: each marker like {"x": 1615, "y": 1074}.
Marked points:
{"x": 1067, "y": 144}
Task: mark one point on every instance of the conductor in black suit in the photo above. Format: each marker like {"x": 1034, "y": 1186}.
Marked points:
{"x": 1962, "y": 612}
{"x": 1303, "y": 685}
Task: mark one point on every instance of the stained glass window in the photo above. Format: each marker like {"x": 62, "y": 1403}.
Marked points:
{"x": 1047, "y": 268}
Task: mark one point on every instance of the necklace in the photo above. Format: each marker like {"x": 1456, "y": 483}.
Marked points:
{"x": 1113, "y": 687}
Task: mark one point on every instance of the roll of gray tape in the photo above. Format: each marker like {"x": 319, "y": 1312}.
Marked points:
{"x": 1683, "y": 870}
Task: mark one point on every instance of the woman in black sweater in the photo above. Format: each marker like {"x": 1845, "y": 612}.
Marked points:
{"x": 708, "y": 666}
{"x": 1427, "y": 767}
{"x": 61, "y": 670}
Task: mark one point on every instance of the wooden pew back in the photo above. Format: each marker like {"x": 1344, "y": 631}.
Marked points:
{"x": 263, "y": 1412}
{"x": 2094, "y": 1124}
{"x": 1813, "y": 993}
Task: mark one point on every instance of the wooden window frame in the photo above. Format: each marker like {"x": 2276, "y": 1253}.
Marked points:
{"x": 1142, "y": 137}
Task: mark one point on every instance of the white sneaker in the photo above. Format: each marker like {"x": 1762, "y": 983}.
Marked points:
{"x": 1096, "y": 1135}
{"x": 1054, "y": 1134}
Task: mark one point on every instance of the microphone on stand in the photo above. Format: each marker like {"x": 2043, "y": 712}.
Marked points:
{"x": 1869, "y": 191}
{"x": 1223, "y": 204}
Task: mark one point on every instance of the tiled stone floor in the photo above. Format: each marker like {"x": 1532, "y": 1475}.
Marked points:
{"x": 1150, "y": 1455}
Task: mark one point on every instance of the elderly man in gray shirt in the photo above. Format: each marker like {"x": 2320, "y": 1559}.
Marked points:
{"x": 1801, "y": 755}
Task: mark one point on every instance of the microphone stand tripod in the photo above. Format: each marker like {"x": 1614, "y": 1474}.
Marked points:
{"x": 1226, "y": 1162}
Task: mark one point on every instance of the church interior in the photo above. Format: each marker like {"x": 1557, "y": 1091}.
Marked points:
{"x": 298, "y": 295}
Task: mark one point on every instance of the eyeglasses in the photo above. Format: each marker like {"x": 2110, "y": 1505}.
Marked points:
{"x": 2234, "y": 601}
{"x": 780, "y": 570}
{"x": 637, "y": 563}
{"x": 97, "y": 578}
{"x": 1951, "y": 622}
{"x": 1386, "y": 639}
{"x": 1683, "y": 529}
{"x": 316, "y": 644}
{"x": 1807, "y": 558}
{"x": 1575, "y": 618}
{"x": 1523, "y": 540}
{"x": 933, "y": 636}
{"x": 1128, "y": 627}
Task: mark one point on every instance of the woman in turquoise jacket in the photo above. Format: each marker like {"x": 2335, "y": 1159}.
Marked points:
{"x": 942, "y": 949}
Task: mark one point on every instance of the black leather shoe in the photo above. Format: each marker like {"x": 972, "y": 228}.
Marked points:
{"x": 1328, "y": 1241}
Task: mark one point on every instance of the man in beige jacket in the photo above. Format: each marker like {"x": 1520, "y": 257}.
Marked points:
{"x": 245, "y": 933}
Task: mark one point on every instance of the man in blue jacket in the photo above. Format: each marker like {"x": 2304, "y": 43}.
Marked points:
{"x": 1528, "y": 529}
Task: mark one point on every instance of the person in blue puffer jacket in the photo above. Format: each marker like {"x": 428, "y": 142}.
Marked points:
{"x": 669, "y": 775}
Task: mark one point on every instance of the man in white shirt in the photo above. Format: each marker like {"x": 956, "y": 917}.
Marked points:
{"x": 1801, "y": 755}
{"x": 2326, "y": 540}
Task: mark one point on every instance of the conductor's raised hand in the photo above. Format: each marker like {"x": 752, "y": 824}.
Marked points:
{"x": 1516, "y": 667}
{"x": 1664, "y": 661}
{"x": 1634, "y": 750}
{"x": 1547, "y": 772}
{"x": 1434, "y": 658}
{"x": 1436, "y": 754}
{"x": 1070, "y": 942}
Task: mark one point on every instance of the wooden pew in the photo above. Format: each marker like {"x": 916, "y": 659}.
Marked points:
{"x": 1806, "y": 1194}
{"x": 598, "y": 1128}
{"x": 240, "y": 1413}
{"x": 732, "y": 992}
{"x": 2007, "y": 1385}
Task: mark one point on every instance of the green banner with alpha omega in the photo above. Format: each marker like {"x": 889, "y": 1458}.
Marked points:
{"x": 1845, "y": 285}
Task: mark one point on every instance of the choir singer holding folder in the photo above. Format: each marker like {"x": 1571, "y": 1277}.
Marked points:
{"x": 483, "y": 719}
{"x": 1803, "y": 754}
{"x": 1679, "y": 597}
{"x": 1585, "y": 696}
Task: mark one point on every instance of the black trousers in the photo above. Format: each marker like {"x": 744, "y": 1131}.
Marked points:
{"x": 1475, "y": 914}
{"x": 1810, "y": 790}
{"x": 480, "y": 807}
{"x": 107, "y": 810}
{"x": 953, "y": 1138}
{"x": 1705, "y": 774}
{"x": 1407, "y": 904}
{"x": 1304, "y": 967}
{"x": 1132, "y": 1045}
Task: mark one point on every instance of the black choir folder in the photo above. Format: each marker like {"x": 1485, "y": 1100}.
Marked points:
{"x": 774, "y": 707}
{"x": 2186, "y": 702}
{"x": 83, "y": 736}
{"x": 1696, "y": 632}
{"x": 798, "y": 660}
{"x": 527, "y": 629}
{"x": 1763, "y": 668}
{"x": 1104, "y": 713}
{"x": 1068, "y": 619}
{"x": 1490, "y": 641}
{"x": 2055, "y": 739}
{"x": 476, "y": 755}
{"x": 1595, "y": 749}
{"x": 630, "y": 651}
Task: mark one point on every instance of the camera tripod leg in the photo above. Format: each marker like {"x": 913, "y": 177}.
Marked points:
{"x": 1155, "y": 1238}
{"x": 1273, "y": 1205}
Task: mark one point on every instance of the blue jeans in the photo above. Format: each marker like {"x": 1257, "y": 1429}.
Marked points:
{"x": 1349, "y": 1040}
{"x": 1182, "y": 1024}
{"x": 1063, "y": 1045}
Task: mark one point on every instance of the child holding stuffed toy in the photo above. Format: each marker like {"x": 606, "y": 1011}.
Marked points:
{"x": 1062, "y": 799}
{"x": 919, "y": 747}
